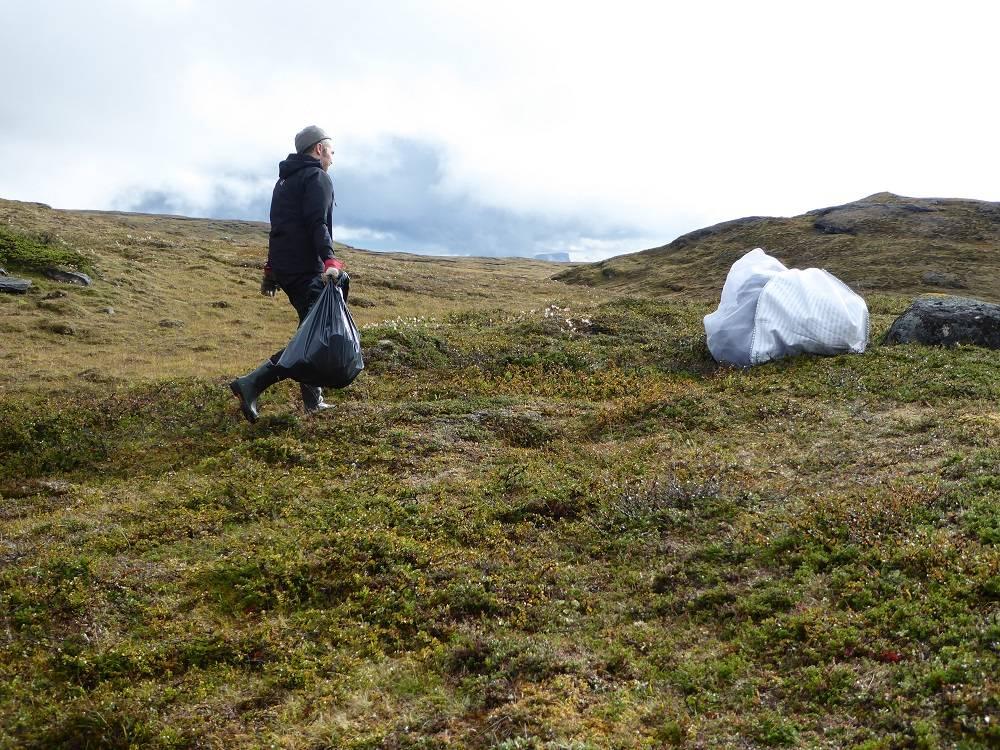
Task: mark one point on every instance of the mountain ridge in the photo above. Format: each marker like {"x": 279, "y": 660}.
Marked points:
{"x": 883, "y": 242}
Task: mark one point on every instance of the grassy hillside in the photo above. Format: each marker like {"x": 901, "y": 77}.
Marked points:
{"x": 883, "y": 243}
{"x": 179, "y": 296}
{"x": 542, "y": 518}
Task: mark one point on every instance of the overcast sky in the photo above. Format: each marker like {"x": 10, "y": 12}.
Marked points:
{"x": 492, "y": 128}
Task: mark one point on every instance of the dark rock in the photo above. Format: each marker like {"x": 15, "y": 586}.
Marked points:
{"x": 947, "y": 321}
{"x": 940, "y": 278}
{"x": 13, "y": 285}
{"x": 54, "y": 294}
{"x": 63, "y": 329}
{"x": 68, "y": 277}
{"x": 831, "y": 227}
{"x": 95, "y": 375}
{"x": 168, "y": 323}
{"x": 220, "y": 304}
{"x": 863, "y": 216}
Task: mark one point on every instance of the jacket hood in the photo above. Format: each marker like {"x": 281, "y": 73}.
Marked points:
{"x": 294, "y": 163}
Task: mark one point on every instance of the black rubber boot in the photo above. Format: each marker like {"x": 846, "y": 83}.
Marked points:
{"x": 312, "y": 398}
{"x": 248, "y": 388}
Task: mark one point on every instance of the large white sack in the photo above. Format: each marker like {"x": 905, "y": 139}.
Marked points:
{"x": 808, "y": 311}
{"x": 729, "y": 330}
{"x": 768, "y": 311}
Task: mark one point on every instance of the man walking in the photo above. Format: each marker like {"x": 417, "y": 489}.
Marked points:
{"x": 300, "y": 256}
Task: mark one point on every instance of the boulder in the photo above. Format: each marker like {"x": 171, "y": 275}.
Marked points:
{"x": 947, "y": 321}
{"x": 63, "y": 329}
{"x": 14, "y": 285}
{"x": 943, "y": 278}
{"x": 868, "y": 216}
{"x": 68, "y": 277}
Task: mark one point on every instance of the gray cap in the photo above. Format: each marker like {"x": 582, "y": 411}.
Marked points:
{"x": 306, "y": 138}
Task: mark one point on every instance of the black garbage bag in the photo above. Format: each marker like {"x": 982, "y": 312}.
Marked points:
{"x": 326, "y": 349}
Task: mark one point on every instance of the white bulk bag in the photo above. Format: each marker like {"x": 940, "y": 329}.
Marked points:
{"x": 768, "y": 312}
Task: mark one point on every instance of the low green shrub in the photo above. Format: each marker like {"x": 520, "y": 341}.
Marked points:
{"x": 19, "y": 252}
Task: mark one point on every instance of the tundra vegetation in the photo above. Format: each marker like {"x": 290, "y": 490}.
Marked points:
{"x": 542, "y": 518}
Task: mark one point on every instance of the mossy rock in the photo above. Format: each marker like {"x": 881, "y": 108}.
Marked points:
{"x": 23, "y": 253}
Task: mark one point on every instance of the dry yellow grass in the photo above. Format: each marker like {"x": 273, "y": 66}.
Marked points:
{"x": 185, "y": 301}
{"x": 521, "y": 531}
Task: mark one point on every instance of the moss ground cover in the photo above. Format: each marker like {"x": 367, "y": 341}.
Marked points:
{"x": 518, "y": 529}
{"x": 20, "y": 252}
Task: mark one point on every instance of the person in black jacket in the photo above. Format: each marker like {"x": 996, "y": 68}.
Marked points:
{"x": 300, "y": 256}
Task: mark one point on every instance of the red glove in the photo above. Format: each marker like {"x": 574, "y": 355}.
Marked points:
{"x": 268, "y": 284}
{"x": 332, "y": 269}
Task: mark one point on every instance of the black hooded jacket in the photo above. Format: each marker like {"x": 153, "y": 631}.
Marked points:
{"x": 301, "y": 218}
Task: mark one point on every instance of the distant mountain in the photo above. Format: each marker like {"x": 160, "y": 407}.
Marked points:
{"x": 884, "y": 242}
{"x": 558, "y": 257}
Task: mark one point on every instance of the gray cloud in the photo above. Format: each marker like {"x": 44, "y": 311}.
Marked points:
{"x": 148, "y": 105}
{"x": 223, "y": 204}
{"x": 399, "y": 204}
